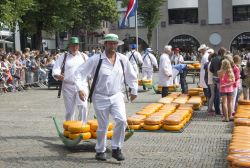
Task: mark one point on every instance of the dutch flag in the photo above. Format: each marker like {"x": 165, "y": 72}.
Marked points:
{"x": 131, "y": 10}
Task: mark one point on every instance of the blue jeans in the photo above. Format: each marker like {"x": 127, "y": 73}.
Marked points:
{"x": 217, "y": 95}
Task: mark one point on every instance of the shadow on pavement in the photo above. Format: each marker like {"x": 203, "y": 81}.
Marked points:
{"x": 62, "y": 151}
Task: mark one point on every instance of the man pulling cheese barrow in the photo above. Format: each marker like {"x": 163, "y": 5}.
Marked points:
{"x": 109, "y": 70}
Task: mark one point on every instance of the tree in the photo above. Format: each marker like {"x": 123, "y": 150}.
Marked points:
{"x": 11, "y": 11}
{"x": 149, "y": 13}
{"x": 60, "y": 15}
{"x": 96, "y": 11}
{"x": 50, "y": 16}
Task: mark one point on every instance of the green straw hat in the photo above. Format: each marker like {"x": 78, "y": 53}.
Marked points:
{"x": 111, "y": 37}
{"x": 73, "y": 40}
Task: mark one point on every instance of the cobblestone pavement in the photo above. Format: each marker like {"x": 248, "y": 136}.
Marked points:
{"x": 28, "y": 137}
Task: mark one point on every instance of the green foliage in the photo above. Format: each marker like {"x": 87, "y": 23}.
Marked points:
{"x": 11, "y": 11}
{"x": 96, "y": 11}
{"x": 149, "y": 13}
{"x": 56, "y": 15}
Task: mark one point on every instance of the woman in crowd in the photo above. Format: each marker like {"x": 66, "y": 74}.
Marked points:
{"x": 227, "y": 80}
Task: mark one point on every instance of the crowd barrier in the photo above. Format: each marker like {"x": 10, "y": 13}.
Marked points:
{"x": 23, "y": 79}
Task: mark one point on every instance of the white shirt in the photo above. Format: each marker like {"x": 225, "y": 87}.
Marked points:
{"x": 204, "y": 60}
{"x": 165, "y": 70}
{"x": 149, "y": 61}
{"x": 110, "y": 79}
{"x": 71, "y": 64}
{"x": 177, "y": 59}
{"x": 137, "y": 59}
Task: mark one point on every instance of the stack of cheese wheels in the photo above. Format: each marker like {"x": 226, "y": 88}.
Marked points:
{"x": 196, "y": 101}
{"x": 243, "y": 111}
{"x": 178, "y": 119}
{"x": 244, "y": 102}
{"x": 242, "y": 116}
{"x": 173, "y": 88}
{"x": 197, "y": 65}
{"x": 174, "y": 94}
{"x": 239, "y": 148}
{"x": 153, "y": 122}
{"x": 135, "y": 122}
{"x": 200, "y": 90}
{"x": 140, "y": 82}
{"x": 193, "y": 93}
{"x": 182, "y": 99}
{"x": 73, "y": 129}
{"x": 242, "y": 122}
{"x": 147, "y": 82}
{"x": 150, "y": 109}
{"x": 94, "y": 126}
{"x": 66, "y": 126}
{"x": 166, "y": 100}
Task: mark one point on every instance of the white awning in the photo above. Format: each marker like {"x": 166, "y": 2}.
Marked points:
{"x": 6, "y": 42}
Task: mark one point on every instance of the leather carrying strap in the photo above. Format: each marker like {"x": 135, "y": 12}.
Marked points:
{"x": 62, "y": 72}
{"x": 92, "y": 88}
{"x": 132, "y": 55}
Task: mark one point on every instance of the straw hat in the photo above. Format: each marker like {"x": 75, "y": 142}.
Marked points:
{"x": 111, "y": 37}
{"x": 203, "y": 46}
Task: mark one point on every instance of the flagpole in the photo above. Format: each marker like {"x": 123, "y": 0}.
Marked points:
{"x": 136, "y": 29}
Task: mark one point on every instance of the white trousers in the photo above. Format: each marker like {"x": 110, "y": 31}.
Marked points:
{"x": 147, "y": 74}
{"x": 114, "y": 105}
{"x": 136, "y": 69}
{"x": 71, "y": 99}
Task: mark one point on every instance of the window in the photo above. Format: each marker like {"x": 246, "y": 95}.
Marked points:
{"x": 241, "y": 13}
{"x": 181, "y": 16}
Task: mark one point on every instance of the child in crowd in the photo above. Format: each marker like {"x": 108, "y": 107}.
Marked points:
{"x": 227, "y": 80}
{"x": 246, "y": 81}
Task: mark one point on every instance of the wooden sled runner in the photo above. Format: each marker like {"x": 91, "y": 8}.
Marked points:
{"x": 71, "y": 143}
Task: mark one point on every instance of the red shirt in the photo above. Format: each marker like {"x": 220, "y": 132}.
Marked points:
{"x": 236, "y": 71}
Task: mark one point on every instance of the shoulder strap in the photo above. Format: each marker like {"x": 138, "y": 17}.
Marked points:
{"x": 63, "y": 63}
{"x": 148, "y": 57}
{"x": 132, "y": 55}
{"x": 125, "y": 83}
{"x": 94, "y": 80}
{"x": 83, "y": 56}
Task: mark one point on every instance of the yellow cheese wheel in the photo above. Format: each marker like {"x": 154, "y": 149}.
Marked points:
{"x": 109, "y": 134}
{"x": 67, "y": 123}
{"x": 66, "y": 133}
{"x": 94, "y": 126}
{"x": 135, "y": 119}
{"x": 151, "y": 127}
{"x": 135, "y": 127}
{"x": 86, "y": 135}
{"x": 242, "y": 162}
{"x": 90, "y": 122}
{"x": 193, "y": 92}
{"x": 78, "y": 128}
{"x": 242, "y": 121}
{"x": 232, "y": 157}
{"x": 244, "y": 102}
{"x": 172, "y": 127}
{"x": 154, "y": 120}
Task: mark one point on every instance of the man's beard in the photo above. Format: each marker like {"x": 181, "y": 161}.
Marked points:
{"x": 111, "y": 50}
